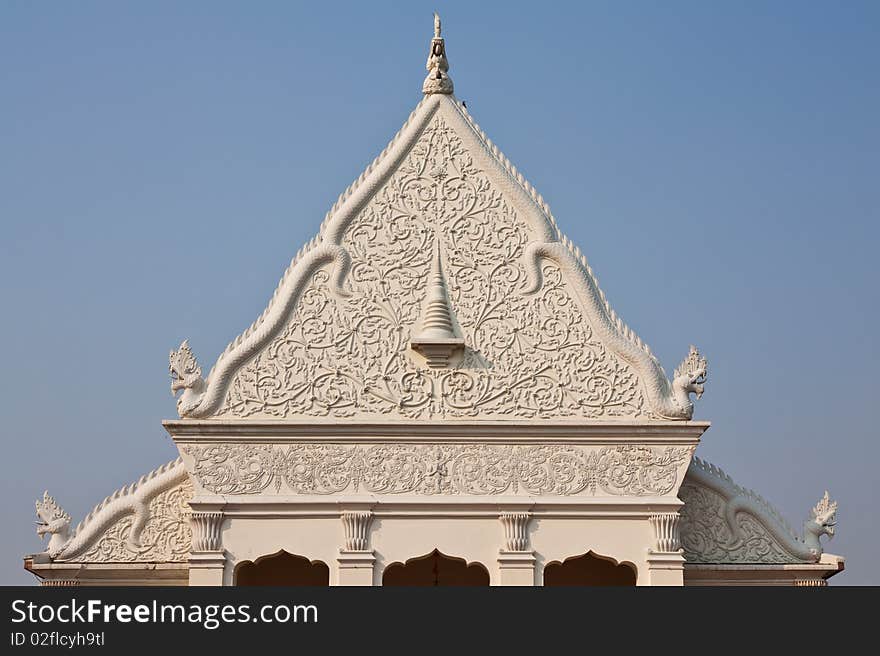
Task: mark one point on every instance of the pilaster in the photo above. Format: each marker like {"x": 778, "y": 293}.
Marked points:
{"x": 666, "y": 534}
{"x": 516, "y": 561}
{"x": 207, "y": 560}
{"x": 665, "y": 557}
{"x": 356, "y": 560}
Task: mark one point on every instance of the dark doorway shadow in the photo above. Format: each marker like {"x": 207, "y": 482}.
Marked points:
{"x": 435, "y": 569}
{"x": 589, "y": 569}
{"x": 282, "y": 568}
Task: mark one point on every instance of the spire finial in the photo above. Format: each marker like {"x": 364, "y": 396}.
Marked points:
{"x": 436, "y": 341}
{"x": 437, "y": 318}
{"x": 438, "y": 80}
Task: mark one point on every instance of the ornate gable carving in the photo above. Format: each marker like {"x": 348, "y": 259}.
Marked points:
{"x": 540, "y": 340}
{"x": 722, "y": 522}
{"x": 707, "y": 538}
{"x": 142, "y": 522}
{"x": 165, "y": 538}
{"x": 527, "y": 355}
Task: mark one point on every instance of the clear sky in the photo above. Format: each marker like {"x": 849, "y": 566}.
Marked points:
{"x": 161, "y": 162}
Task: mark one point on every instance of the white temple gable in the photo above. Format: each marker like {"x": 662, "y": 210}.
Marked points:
{"x": 437, "y": 372}
{"x": 531, "y": 335}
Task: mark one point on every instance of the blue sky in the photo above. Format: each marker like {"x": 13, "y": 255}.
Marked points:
{"x": 161, "y": 163}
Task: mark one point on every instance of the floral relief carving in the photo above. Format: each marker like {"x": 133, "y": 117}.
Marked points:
{"x": 707, "y": 538}
{"x": 166, "y": 537}
{"x": 527, "y": 355}
{"x": 449, "y": 469}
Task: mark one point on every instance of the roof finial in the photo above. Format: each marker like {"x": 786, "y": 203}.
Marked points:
{"x": 436, "y": 340}
{"x": 437, "y": 317}
{"x": 438, "y": 80}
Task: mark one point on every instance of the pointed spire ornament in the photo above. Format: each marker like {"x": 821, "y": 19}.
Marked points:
{"x": 438, "y": 320}
{"x": 437, "y": 340}
{"x": 438, "y": 80}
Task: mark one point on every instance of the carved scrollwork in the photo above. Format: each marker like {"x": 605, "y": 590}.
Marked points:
{"x": 723, "y": 522}
{"x": 245, "y": 472}
{"x": 166, "y": 536}
{"x": 450, "y": 469}
{"x": 707, "y": 538}
{"x": 528, "y": 355}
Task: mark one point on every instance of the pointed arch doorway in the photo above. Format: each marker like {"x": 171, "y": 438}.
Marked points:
{"x": 282, "y": 568}
{"x": 435, "y": 569}
{"x": 589, "y": 569}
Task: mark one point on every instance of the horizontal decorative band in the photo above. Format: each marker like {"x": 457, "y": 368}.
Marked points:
{"x": 450, "y": 469}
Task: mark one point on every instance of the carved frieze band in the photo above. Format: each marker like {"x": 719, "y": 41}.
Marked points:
{"x": 449, "y": 469}
{"x": 516, "y": 535}
{"x": 666, "y": 535}
{"x": 357, "y": 530}
{"x": 206, "y": 530}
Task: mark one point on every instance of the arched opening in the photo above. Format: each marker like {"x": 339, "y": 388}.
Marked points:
{"x": 589, "y": 569}
{"x": 435, "y": 569}
{"x": 282, "y": 568}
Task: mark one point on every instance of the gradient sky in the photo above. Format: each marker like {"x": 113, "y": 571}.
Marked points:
{"x": 161, "y": 162}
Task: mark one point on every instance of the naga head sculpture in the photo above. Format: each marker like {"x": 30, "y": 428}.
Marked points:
{"x": 186, "y": 375}
{"x": 824, "y": 517}
{"x": 184, "y": 369}
{"x": 52, "y": 520}
{"x": 690, "y": 377}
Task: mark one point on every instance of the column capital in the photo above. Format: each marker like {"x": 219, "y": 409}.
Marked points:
{"x": 666, "y": 534}
{"x": 205, "y": 527}
{"x": 516, "y": 561}
{"x": 356, "y": 524}
{"x": 516, "y": 535}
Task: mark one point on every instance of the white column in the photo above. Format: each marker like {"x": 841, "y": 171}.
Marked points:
{"x": 356, "y": 559}
{"x": 516, "y": 562}
{"x": 665, "y": 557}
{"x": 207, "y": 559}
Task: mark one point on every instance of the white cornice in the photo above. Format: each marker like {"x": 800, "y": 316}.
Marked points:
{"x": 671, "y": 432}
{"x": 261, "y": 507}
